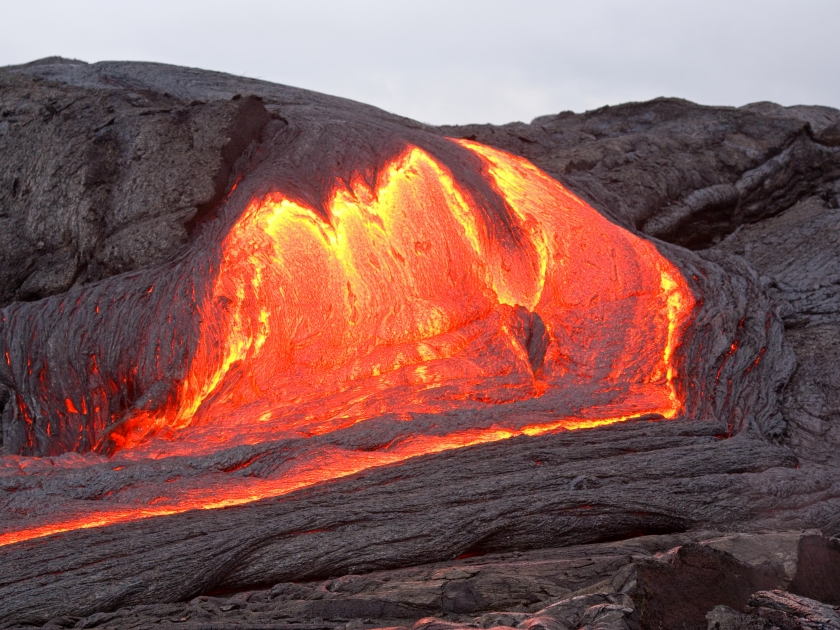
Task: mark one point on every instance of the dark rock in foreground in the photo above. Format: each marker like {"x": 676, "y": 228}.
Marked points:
{"x": 672, "y": 581}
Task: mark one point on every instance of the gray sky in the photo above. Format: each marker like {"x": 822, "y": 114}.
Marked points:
{"x": 459, "y": 61}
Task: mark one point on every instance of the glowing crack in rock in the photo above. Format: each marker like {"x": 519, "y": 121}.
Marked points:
{"x": 408, "y": 301}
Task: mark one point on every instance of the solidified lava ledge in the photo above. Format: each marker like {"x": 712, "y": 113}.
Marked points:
{"x": 254, "y": 336}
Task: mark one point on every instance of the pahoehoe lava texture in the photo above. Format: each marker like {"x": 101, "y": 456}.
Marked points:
{"x": 118, "y": 178}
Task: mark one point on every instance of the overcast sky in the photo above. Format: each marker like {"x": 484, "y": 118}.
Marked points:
{"x": 459, "y": 61}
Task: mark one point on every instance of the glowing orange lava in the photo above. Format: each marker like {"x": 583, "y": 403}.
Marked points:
{"x": 411, "y": 300}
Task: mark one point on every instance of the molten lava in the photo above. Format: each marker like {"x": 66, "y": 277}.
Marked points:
{"x": 411, "y": 299}
{"x": 405, "y": 301}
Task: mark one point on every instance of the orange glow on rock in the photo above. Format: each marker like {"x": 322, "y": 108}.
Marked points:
{"x": 330, "y": 464}
{"x": 407, "y": 300}
{"x": 392, "y": 305}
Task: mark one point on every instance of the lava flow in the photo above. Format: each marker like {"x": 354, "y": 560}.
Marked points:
{"x": 413, "y": 308}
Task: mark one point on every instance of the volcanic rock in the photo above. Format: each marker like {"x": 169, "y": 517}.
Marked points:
{"x": 777, "y": 609}
{"x": 671, "y": 581}
{"x": 113, "y": 173}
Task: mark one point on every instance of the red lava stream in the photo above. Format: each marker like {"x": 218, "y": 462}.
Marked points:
{"x": 410, "y": 299}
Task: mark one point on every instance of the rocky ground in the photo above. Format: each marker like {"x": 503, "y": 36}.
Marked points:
{"x": 725, "y": 581}
{"x": 112, "y": 168}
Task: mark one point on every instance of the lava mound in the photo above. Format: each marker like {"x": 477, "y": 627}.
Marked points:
{"x": 265, "y": 302}
{"x": 405, "y": 298}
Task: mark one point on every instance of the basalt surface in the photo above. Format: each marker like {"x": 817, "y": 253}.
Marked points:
{"x": 115, "y": 174}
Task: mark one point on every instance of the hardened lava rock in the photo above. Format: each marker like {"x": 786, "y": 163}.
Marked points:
{"x": 115, "y": 174}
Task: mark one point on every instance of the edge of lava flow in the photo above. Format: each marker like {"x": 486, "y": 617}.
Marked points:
{"x": 421, "y": 304}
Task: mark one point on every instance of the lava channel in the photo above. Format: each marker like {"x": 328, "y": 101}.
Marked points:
{"x": 413, "y": 304}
